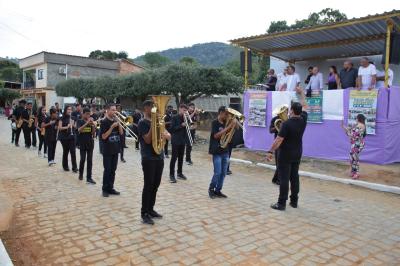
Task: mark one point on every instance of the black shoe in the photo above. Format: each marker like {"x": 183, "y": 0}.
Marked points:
{"x": 75, "y": 170}
{"x": 90, "y": 181}
{"x": 66, "y": 169}
{"x": 105, "y": 194}
{"x": 219, "y": 194}
{"x": 278, "y": 207}
{"x": 123, "y": 160}
{"x": 154, "y": 214}
{"x": 211, "y": 193}
{"x": 229, "y": 172}
{"x": 182, "y": 176}
{"x": 276, "y": 182}
{"x": 114, "y": 192}
{"x": 189, "y": 162}
{"x": 166, "y": 156}
{"x": 146, "y": 219}
{"x": 172, "y": 179}
{"x": 137, "y": 149}
{"x": 16, "y": 145}
{"x": 293, "y": 204}
{"x": 125, "y": 147}
{"x": 80, "y": 176}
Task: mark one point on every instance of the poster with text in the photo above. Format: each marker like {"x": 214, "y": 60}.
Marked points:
{"x": 257, "y": 109}
{"x": 314, "y": 107}
{"x": 363, "y": 102}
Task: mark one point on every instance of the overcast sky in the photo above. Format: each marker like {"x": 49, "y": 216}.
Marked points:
{"x": 80, "y": 26}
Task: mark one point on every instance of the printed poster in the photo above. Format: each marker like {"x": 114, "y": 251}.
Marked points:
{"x": 363, "y": 102}
{"x": 257, "y": 109}
{"x": 314, "y": 107}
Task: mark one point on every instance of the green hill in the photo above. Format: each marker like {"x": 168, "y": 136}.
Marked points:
{"x": 208, "y": 54}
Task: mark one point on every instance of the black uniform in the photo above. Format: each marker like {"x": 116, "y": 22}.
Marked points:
{"x": 68, "y": 139}
{"x": 188, "y": 146}
{"x": 42, "y": 141}
{"x": 273, "y": 130}
{"x": 86, "y": 143}
{"x": 152, "y": 165}
{"x": 29, "y": 132}
{"x": 167, "y": 119}
{"x": 178, "y": 141}
{"x": 50, "y": 136}
{"x": 137, "y": 116}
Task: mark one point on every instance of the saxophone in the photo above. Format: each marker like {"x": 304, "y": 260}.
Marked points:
{"x": 31, "y": 119}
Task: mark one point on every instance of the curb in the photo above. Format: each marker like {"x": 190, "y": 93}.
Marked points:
{"x": 359, "y": 183}
{"x": 4, "y": 258}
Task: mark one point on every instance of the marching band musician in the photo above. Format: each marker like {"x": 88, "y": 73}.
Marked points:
{"x": 87, "y": 130}
{"x": 167, "y": 120}
{"x": 40, "y": 118}
{"x": 17, "y": 116}
{"x": 137, "y": 116}
{"x": 50, "y": 135}
{"x": 110, "y": 134}
{"x": 179, "y": 139}
{"x": 152, "y": 165}
{"x": 193, "y": 113}
{"x": 66, "y": 135}
{"x": 123, "y": 137}
{"x": 29, "y": 126}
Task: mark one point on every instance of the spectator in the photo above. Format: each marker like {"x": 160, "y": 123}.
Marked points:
{"x": 316, "y": 82}
{"x": 292, "y": 80}
{"x": 271, "y": 80}
{"x": 333, "y": 78}
{"x": 348, "y": 75}
{"x": 310, "y": 73}
{"x": 380, "y": 78}
{"x": 366, "y": 75}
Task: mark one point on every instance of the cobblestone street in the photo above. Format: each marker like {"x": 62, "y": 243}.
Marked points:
{"x": 59, "y": 220}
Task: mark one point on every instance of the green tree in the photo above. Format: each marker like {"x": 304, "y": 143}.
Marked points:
{"x": 122, "y": 55}
{"x": 109, "y": 55}
{"x": 154, "y": 60}
{"x": 277, "y": 26}
{"x": 187, "y": 60}
{"x": 8, "y": 95}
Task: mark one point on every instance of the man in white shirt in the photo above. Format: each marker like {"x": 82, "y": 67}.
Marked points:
{"x": 366, "y": 75}
{"x": 281, "y": 78}
{"x": 380, "y": 78}
{"x": 292, "y": 80}
{"x": 316, "y": 81}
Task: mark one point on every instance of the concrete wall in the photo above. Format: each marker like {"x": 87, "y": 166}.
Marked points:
{"x": 32, "y": 61}
{"x": 41, "y": 83}
{"x": 80, "y": 61}
{"x": 301, "y": 67}
{"x": 127, "y": 68}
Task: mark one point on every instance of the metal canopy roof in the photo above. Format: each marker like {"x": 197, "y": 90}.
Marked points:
{"x": 353, "y": 37}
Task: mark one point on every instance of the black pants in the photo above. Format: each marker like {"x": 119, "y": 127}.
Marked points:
{"x": 152, "y": 171}
{"x": 51, "y": 149}
{"x": 110, "y": 163}
{"x": 33, "y": 135}
{"x": 189, "y": 148}
{"x": 230, "y": 148}
{"x": 177, "y": 154}
{"x": 27, "y": 135}
{"x": 17, "y": 134}
{"x": 86, "y": 152}
{"x": 42, "y": 142}
{"x": 123, "y": 141}
{"x": 288, "y": 172}
{"x": 13, "y": 133}
{"x": 69, "y": 147}
{"x": 166, "y": 147}
{"x": 276, "y": 176}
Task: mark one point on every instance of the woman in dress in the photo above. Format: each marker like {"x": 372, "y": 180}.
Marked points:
{"x": 356, "y": 134}
{"x": 333, "y": 78}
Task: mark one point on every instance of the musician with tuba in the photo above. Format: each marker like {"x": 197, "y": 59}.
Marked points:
{"x": 280, "y": 116}
{"x": 222, "y": 130}
{"x": 152, "y": 138}
{"x": 17, "y": 117}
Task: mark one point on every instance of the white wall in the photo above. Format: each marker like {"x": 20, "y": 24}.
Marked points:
{"x": 301, "y": 67}
{"x": 42, "y": 83}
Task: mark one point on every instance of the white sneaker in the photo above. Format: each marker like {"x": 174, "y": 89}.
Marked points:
{"x": 50, "y": 163}
{"x": 53, "y": 162}
{"x": 45, "y": 155}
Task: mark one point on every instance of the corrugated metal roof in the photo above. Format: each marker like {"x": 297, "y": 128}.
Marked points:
{"x": 358, "y": 36}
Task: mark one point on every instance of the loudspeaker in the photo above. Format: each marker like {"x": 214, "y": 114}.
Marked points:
{"x": 249, "y": 67}
{"x": 394, "y": 55}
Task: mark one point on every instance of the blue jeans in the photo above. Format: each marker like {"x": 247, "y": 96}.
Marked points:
{"x": 220, "y": 162}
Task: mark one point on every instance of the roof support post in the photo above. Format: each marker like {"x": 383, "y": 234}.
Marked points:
{"x": 246, "y": 69}
{"x": 389, "y": 28}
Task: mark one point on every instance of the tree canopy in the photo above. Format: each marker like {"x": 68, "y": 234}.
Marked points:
{"x": 10, "y": 71}
{"x": 8, "y": 95}
{"x": 154, "y": 60}
{"x": 327, "y": 15}
{"x": 185, "y": 82}
{"x": 107, "y": 54}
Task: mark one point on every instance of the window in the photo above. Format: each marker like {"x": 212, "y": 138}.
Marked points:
{"x": 40, "y": 74}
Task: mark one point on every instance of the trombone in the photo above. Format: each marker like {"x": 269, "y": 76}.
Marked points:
{"x": 188, "y": 122}
{"x": 125, "y": 125}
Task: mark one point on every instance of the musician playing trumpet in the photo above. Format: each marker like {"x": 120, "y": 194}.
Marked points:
{"x": 66, "y": 135}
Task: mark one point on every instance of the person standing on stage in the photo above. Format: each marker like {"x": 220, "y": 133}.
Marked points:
{"x": 179, "y": 139}
{"x": 290, "y": 144}
{"x": 220, "y": 156}
{"x": 348, "y": 75}
{"x": 292, "y": 80}
{"x": 86, "y": 132}
{"x": 40, "y": 118}
{"x": 110, "y": 133}
{"x": 66, "y": 135}
{"x": 50, "y": 135}
{"x": 29, "y": 126}
{"x": 315, "y": 82}
{"x": 194, "y": 116}
{"x": 366, "y": 75}
{"x": 152, "y": 165}
{"x": 356, "y": 134}
{"x": 167, "y": 120}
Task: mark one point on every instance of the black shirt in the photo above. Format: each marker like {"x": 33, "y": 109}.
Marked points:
{"x": 271, "y": 82}
{"x": 146, "y": 150}
{"x": 292, "y": 131}
{"x": 215, "y": 147}
{"x": 168, "y": 118}
{"x": 51, "y": 130}
{"x": 41, "y": 118}
{"x": 111, "y": 145}
{"x": 272, "y": 128}
{"x": 76, "y": 115}
{"x": 348, "y": 78}
{"x": 85, "y": 137}
{"x": 308, "y": 78}
{"x": 95, "y": 116}
{"x": 178, "y": 132}
{"x": 18, "y": 112}
{"x": 66, "y": 133}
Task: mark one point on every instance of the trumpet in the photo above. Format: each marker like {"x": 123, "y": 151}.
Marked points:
{"x": 199, "y": 111}
{"x": 125, "y": 125}
{"x": 188, "y": 122}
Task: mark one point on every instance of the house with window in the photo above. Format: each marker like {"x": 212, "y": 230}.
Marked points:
{"x": 42, "y": 72}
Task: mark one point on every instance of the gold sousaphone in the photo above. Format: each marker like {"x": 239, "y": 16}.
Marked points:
{"x": 233, "y": 115}
{"x": 157, "y": 121}
{"x": 282, "y": 113}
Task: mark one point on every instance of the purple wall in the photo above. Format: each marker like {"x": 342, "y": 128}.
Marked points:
{"x": 328, "y": 140}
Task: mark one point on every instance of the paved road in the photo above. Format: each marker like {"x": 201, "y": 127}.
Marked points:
{"x": 61, "y": 220}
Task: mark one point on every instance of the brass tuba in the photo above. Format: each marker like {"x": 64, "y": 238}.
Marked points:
{"x": 157, "y": 121}
{"x": 233, "y": 115}
{"x": 282, "y": 113}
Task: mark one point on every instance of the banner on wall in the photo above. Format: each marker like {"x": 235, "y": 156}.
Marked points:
{"x": 314, "y": 107}
{"x": 363, "y": 102}
{"x": 257, "y": 109}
